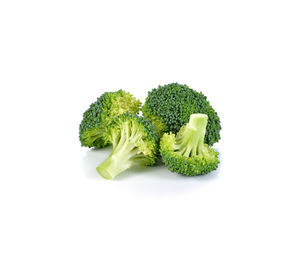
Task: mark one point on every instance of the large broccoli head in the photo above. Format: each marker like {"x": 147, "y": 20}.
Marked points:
{"x": 100, "y": 113}
{"x": 169, "y": 107}
{"x": 135, "y": 141}
{"x": 186, "y": 152}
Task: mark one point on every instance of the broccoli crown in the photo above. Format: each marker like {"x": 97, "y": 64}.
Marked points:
{"x": 169, "y": 107}
{"x": 100, "y": 113}
{"x": 186, "y": 152}
{"x": 135, "y": 141}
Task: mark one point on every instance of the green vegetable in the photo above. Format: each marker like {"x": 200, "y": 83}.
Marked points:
{"x": 100, "y": 114}
{"x": 186, "y": 153}
{"x": 135, "y": 141}
{"x": 169, "y": 107}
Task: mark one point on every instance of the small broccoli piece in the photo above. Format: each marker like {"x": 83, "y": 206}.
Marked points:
{"x": 169, "y": 107}
{"x": 186, "y": 152}
{"x": 100, "y": 114}
{"x": 135, "y": 141}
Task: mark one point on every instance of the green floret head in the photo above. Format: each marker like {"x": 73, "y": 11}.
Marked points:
{"x": 100, "y": 114}
{"x": 134, "y": 140}
{"x": 186, "y": 153}
{"x": 169, "y": 108}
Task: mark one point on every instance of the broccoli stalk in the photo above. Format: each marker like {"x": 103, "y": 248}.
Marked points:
{"x": 186, "y": 153}
{"x": 122, "y": 156}
{"x": 134, "y": 140}
{"x": 118, "y": 162}
{"x": 191, "y": 141}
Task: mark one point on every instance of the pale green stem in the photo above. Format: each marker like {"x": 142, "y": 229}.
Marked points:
{"x": 192, "y": 139}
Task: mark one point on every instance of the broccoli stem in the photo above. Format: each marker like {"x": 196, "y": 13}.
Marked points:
{"x": 191, "y": 141}
{"x": 121, "y": 157}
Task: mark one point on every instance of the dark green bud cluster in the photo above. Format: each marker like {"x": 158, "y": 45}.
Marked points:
{"x": 170, "y": 107}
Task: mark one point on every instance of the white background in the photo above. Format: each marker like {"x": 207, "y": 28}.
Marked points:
{"x": 57, "y": 57}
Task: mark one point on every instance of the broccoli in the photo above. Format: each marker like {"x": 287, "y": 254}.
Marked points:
{"x": 100, "y": 113}
{"x": 186, "y": 152}
{"x": 169, "y": 107}
{"x": 135, "y": 141}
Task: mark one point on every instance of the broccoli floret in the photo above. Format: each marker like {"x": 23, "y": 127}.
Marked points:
{"x": 100, "y": 114}
{"x": 186, "y": 152}
{"x": 135, "y": 141}
{"x": 169, "y": 107}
